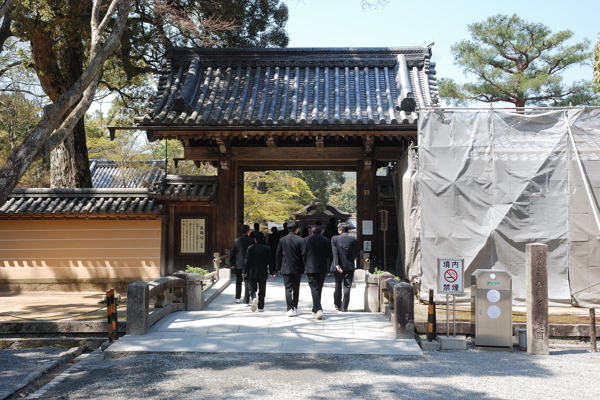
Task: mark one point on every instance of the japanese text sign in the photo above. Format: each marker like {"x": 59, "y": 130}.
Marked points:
{"x": 450, "y": 275}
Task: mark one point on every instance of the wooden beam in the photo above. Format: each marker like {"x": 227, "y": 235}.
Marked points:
{"x": 223, "y": 144}
{"x": 272, "y": 141}
{"x": 320, "y": 142}
{"x": 313, "y": 156}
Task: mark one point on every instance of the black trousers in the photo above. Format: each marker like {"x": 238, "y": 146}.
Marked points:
{"x": 315, "y": 282}
{"x": 343, "y": 283}
{"x": 238, "y": 286}
{"x": 259, "y": 285}
{"x": 292, "y": 289}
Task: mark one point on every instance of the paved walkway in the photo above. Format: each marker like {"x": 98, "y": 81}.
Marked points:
{"x": 225, "y": 326}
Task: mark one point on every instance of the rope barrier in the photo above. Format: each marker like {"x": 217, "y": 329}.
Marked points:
{"x": 54, "y": 319}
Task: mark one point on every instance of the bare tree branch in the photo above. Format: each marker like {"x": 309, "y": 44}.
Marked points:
{"x": 51, "y": 122}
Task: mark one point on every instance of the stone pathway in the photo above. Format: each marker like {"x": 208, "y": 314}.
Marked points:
{"x": 225, "y": 326}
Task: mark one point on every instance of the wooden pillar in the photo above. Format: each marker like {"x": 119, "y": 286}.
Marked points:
{"x": 366, "y": 207}
{"x": 538, "y": 332}
{"x": 171, "y": 251}
{"x": 226, "y": 221}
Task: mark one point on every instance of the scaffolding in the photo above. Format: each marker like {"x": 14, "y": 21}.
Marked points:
{"x": 483, "y": 183}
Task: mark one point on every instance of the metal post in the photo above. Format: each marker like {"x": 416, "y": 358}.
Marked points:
{"x": 447, "y": 317}
{"x": 109, "y": 317}
{"x": 593, "y": 348}
{"x": 454, "y": 315}
{"x": 430, "y": 318}
{"x": 113, "y": 309}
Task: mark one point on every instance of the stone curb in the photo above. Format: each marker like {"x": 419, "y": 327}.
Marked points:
{"x": 84, "y": 360}
{"x": 43, "y": 369}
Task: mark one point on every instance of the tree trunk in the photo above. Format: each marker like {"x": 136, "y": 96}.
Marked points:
{"x": 69, "y": 162}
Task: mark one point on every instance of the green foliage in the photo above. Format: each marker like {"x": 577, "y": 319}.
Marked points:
{"x": 195, "y": 270}
{"x": 323, "y": 184}
{"x": 273, "y": 196}
{"x": 345, "y": 199}
{"x": 378, "y": 272}
{"x": 597, "y": 65}
{"x": 515, "y": 61}
{"x": 18, "y": 115}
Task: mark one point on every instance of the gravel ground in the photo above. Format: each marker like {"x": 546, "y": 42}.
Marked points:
{"x": 16, "y": 363}
{"x": 568, "y": 373}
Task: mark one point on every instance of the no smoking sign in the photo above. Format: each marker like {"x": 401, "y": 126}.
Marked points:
{"x": 450, "y": 275}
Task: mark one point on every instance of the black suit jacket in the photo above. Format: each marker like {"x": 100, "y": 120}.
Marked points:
{"x": 344, "y": 248}
{"x": 258, "y": 262}
{"x": 238, "y": 251}
{"x": 316, "y": 249}
{"x": 289, "y": 254}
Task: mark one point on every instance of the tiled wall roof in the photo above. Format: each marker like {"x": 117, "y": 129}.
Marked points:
{"x": 80, "y": 201}
{"x": 126, "y": 174}
{"x": 344, "y": 88}
{"x": 178, "y": 187}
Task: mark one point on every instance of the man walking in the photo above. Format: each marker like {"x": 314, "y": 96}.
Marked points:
{"x": 236, "y": 260}
{"x": 291, "y": 265}
{"x": 344, "y": 248}
{"x": 316, "y": 251}
{"x": 257, "y": 265}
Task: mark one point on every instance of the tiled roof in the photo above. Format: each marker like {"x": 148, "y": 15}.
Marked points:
{"x": 385, "y": 188}
{"x": 183, "y": 187}
{"x": 316, "y": 87}
{"x": 79, "y": 201}
{"x": 330, "y": 209}
{"x": 126, "y": 174}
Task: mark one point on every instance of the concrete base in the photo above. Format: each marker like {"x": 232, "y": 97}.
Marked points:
{"x": 452, "y": 342}
{"x": 430, "y": 346}
{"x": 493, "y": 348}
{"x": 225, "y": 273}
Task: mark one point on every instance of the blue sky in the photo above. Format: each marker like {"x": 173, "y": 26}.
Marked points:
{"x": 342, "y": 23}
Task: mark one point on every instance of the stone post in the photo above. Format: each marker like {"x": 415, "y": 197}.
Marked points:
{"x": 382, "y": 300}
{"x": 538, "y": 332}
{"x": 180, "y": 294}
{"x": 372, "y": 293}
{"x": 137, "y": 308}
{"x": 404, "y": 308}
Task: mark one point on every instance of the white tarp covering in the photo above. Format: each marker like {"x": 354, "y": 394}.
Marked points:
{"x": 491, "y": 182}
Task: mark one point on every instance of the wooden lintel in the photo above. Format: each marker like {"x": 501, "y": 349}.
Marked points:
{"x": 201, "y": 153}
{"x": 345, "y": 155}
{"x": 185, "y": 142}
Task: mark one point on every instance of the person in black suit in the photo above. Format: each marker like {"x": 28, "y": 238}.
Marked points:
{"x": 274, "y": 241}
{"x": 236, "y": 260}
{"x": 344, "y": 248}
{"x": 257, "y": 265}
{"x": 316, "y": 251}
{"x": 291, "y": 265}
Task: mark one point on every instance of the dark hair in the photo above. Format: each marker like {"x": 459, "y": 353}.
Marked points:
{"x": 318, "y": 223}
{"x": 245, "y": 228}
{"x": 344, "y": 227}
{"x": 259, "y": 236}
{"x": 292, "y": 225}
{"x": 273, "y": 229}
{"x": 256, "y": 226}
{"x": 332, "y": 220}
{"x": 317, "y": 229}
